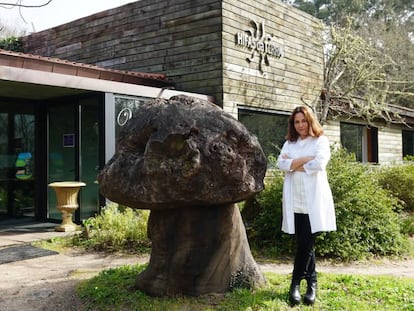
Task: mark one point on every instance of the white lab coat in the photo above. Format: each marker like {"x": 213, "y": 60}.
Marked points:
{"x": 320, "y": 203}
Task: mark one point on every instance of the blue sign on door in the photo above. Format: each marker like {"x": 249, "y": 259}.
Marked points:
{"x": 68, "y": 140}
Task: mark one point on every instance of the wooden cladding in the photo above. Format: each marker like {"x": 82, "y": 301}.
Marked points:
{"x": 194, "y": 43}
{"x": 282, "y": 82}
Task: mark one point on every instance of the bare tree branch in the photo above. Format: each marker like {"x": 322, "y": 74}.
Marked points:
{"x": 19, "y": 4}
{"x": 358, "y": 80}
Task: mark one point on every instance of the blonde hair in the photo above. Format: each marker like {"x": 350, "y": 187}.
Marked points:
{"x": 315, "y": 129}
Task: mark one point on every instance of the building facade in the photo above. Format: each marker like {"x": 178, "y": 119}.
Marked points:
{"x": 259, "y": 59}
{"x": 58, "y": 121}
{"x": 256, "y": 59}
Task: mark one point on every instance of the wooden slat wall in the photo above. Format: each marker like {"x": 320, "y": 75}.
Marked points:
{"x": 389, "y": 145}
{"x": 297, "y": 74}
{"x": 181, "y": 38}
{"x": 332, "y": 130}
{"x": 193, "y": 43}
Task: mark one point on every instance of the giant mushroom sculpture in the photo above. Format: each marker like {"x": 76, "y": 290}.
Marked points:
{"x": 189, "y": 163}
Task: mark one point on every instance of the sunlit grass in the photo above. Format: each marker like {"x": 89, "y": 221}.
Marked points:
{"x": 113, "y": 289}
{"x": 57, "y": 244}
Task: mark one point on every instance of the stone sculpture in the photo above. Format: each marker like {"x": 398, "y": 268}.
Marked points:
{"x": 189, "y": 163}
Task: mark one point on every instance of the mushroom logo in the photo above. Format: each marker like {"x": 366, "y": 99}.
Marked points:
{"x": 259, "y": 42}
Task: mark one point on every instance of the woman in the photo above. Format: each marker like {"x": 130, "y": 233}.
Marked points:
{"x": 308, "y": 206}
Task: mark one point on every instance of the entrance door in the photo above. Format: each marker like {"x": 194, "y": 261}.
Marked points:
{"x": 17, "y": 153}
{"x": 62, "y": 152}
{"x": 73, "y": 153}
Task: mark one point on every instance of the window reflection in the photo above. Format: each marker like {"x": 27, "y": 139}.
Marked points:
{"x": 270, "y": 129}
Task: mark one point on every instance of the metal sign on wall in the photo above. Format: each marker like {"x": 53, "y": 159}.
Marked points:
{"x": 259, "y": 43}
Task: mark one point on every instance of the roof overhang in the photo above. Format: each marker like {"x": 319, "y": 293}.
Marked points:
{"x": 40, "y": 85}
{"x": 34, "y": 77}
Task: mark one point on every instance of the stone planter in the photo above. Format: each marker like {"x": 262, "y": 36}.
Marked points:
{"x": 67, "y": 202}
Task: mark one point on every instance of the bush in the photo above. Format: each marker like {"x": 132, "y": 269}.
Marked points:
{"x": 407, "y": 224}
{"x": 263, "y": 217}
{"x": 367, "y": 215}
{"x": 11, "y": 44}
{"x": 117, "y": 228}
{"x": 399, "y": 180}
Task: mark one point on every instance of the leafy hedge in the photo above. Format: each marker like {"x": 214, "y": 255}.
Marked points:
{"x": 367, "y": 215}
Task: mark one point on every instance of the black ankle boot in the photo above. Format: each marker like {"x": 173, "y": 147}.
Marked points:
{"x": 294, "y": 292}
{"x": 310, "y": 294}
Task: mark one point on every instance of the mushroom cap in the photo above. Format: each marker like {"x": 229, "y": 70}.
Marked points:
{"x": 183, "y": 151}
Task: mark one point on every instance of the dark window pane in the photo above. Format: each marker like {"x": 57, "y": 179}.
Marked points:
{"x": 352, "y": 139}
{"x": 270, "y": 129}
{"x": 408, "y": 143}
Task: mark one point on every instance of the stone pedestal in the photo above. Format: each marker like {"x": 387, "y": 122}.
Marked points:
{"x": 67, "y": 202}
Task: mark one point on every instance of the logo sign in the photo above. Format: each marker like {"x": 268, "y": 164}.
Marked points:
{"x": 123, "y": 116}
{"x": 259, "y": 43}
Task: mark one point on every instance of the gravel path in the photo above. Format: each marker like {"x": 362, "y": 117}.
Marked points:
{"x": 48, "y": 283}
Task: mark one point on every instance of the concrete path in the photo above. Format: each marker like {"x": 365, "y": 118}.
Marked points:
{"x": 26, "y": 231}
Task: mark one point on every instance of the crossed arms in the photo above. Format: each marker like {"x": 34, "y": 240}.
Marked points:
{"x": 297, "y": 164}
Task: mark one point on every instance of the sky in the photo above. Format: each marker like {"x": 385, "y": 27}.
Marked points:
{"x": 55, "y": 13}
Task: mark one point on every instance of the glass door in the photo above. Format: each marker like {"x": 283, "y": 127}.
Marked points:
{"x": 17, "y": 153}
{"x": 73, "y": 153}
{"x": 89, "y": 157}
{"x": 5, "y": 164}
{"x": 62, "y": 150}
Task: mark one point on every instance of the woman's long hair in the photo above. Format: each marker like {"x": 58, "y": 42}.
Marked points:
{"x": 315, "y": 129}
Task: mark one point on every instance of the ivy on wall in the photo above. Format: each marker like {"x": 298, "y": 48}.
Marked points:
{"x": 11, "y": 44}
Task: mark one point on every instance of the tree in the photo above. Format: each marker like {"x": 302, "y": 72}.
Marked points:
{"x": 395, "y": 42}
{"x": 356, "y": 83}
{"x": 21, "y": 4}
{"x": 369, "y": 59}
{"x": 7, "y": 31}
{"x": 10, "y": 38}
{"x": 336, "y": 12}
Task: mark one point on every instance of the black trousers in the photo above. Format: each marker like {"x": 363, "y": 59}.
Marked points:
{"x": 304, "y": 265}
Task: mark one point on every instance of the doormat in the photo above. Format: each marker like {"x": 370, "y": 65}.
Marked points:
{"x": 22, "y": 252}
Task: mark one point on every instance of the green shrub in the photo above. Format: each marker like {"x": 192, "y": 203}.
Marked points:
{"x": 399, "y": 180}
{"x": 11, "y": 44}
{"x": 407, "y": 224}
{"x": 263, "y": 217}
{"x": 117, "y": 228}
{"x": 409, "y": 157}
{"x": 367, "y": 215}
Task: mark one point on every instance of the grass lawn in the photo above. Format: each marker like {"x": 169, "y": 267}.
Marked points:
{"x": 113, "y": 290}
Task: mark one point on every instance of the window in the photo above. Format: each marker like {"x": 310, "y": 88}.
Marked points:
{"x": 408, "y": 143}
{"x": 124, "y": 108}
{"x": 270, "y": 129}
{"x": 360, "y": 140}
